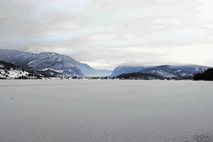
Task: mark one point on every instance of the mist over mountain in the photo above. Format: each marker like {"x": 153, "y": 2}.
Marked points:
{"x": 54, "y": 63}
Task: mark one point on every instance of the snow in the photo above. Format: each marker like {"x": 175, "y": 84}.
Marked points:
{"x": 2, "y": 73}
{"x": 31, "y": 62}
{"x": 12, "y": 73}
{"x": 105, "y": 111}
{"x": 1, "y": 66}
{"x": 177, "y": 71}
{"x": 164, "y": 74}
{"x": 17, "y": 73}
{"x": 197, "y": 69}
{"x": 60, "y": 71}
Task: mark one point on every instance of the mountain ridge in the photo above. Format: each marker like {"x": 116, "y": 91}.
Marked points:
{"x": 165, "y": 71}
{"x": 50, "y": 64}
{"x": 63, "y": 65}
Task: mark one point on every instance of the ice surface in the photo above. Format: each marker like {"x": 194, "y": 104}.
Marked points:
{"x": 105, "y": 111}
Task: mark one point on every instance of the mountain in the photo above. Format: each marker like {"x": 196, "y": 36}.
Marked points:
{"x": 10, "y": 71}
{"x": 48, "y": 64}
{"x": 165, "y": 71}
{"x": 126, "y": 69}
{"x": 91, "y": 72}
{"x": 207, "y": 75}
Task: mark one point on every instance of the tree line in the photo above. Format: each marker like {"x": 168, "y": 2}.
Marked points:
{"x": 207, "y": 75}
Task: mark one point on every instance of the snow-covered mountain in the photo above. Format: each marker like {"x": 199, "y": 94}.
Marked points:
{"x": 166, "y": 71}
{"x": 10, "y": 71}
{"x": 52, "y": 64}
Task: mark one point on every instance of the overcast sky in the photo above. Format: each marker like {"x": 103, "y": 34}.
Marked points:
{"x": 107, "y": 33}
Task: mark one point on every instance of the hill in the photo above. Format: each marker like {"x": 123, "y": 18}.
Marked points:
{"x": 164, "y": 71}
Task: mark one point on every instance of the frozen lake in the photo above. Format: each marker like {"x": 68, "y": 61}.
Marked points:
{"x": 105, "y": 111}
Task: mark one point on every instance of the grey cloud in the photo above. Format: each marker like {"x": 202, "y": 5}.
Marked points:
{"x": 106, "y": 32}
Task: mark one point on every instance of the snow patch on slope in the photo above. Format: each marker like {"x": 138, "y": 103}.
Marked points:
{"x": 16, "y": 73}
{"x": 46, "y": 69}
{"x": 1, "y": 66}
{"x": 12, "y": 73}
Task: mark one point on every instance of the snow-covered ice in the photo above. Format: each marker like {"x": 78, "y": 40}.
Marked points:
{"x": 105, "y": 111}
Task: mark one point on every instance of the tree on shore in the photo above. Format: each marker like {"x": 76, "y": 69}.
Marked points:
{"x": 207, "y": 75}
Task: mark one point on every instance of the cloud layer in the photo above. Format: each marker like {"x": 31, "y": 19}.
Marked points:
{"x": 106, "y": 33}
